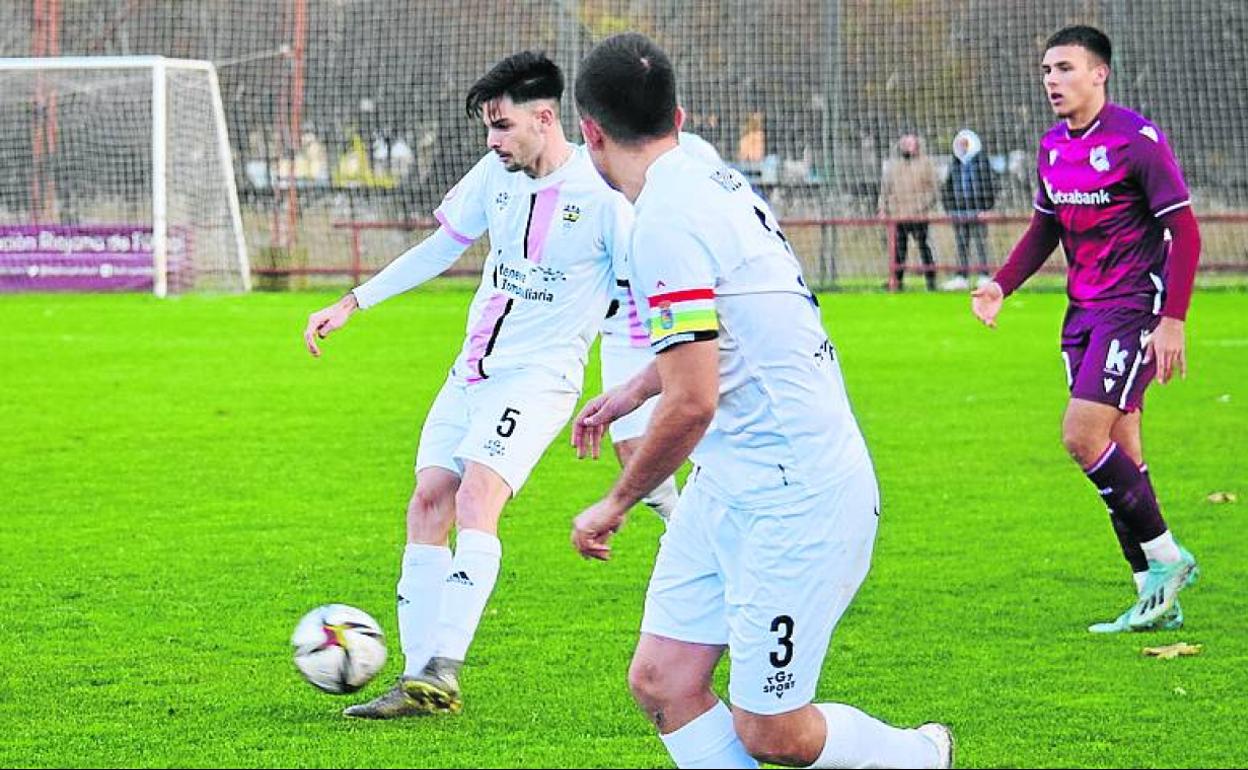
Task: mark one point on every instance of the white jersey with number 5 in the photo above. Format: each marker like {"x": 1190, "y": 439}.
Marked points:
{"x": 555, "y": 246}
{"x": 709, "y": 261}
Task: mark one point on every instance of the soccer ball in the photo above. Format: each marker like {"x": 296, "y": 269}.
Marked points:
{"x": 338, "y": 648}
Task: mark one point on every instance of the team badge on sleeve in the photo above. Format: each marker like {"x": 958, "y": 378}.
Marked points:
{"x": 683, "y": 316}
{"x": 667, "y": 319}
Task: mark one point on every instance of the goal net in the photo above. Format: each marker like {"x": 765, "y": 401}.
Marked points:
{"x": 117, "y": 176}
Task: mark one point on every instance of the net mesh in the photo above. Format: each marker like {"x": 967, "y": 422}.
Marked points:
{"x": 350, "y": 111}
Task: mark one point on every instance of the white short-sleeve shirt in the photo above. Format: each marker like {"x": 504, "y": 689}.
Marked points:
{"x": 708, "y": 261}
{"x": 555, "y": 246}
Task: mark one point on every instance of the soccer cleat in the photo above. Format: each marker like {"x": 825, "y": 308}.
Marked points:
{"x": 1171, "y": 621}
{"x": 1161, "y": 589}
{"x": 942, "y": 738}
{"x": 392, "y": 704}
{"x": 434, "y": 691}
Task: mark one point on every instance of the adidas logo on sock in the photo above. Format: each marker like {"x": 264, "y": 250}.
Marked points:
{"x": 460, "y": 577}
{"x": 403, "y": 602}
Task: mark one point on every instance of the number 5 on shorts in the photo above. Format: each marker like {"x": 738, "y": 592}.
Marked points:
{"x": 507, "y": 424}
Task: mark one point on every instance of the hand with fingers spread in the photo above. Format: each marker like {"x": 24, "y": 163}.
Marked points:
{"x": 597, "y": 414}
{"x": 1167, "y": 345}
{"x": 328, "y": 320}
{"x": 593, "y": 528}
{"x": 986, "y": 303}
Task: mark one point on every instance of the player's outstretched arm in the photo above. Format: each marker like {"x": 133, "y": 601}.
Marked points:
{"x": 1029, "y": 254}
{"x": 328, "y": 320}
{"x": 602, "y": 410}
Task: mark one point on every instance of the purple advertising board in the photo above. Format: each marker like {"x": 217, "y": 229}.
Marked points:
{"x": 83, "y": 257}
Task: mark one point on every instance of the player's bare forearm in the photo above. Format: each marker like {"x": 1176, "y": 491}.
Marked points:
{"x": 646, "y": 383}
{"x": 592, "y": 421}
{"x": 675, "y": 429}
{"x": 689, "y": 376}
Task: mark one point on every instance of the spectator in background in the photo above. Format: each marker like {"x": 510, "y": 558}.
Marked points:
{"x": 969, "y": 191}
{"x": 752, "y": 145}
{"x": 312, "y": 159}
{"x": 908, "y": 191}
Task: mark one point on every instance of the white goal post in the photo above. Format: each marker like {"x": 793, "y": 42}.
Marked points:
{"x": 116, "y": 173}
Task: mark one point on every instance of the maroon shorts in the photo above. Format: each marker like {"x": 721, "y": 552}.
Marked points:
{"x": 1104, "y": 353}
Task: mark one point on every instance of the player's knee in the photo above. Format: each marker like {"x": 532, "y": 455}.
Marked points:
{"x": 427, "y": 505}
{"x": 644, "y": 682}
{"x": 1080, "y": 444}
{"x": 651, "y": 685}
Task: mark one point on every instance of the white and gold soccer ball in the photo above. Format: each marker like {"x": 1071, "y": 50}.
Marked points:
{"x": 338, "y": 648}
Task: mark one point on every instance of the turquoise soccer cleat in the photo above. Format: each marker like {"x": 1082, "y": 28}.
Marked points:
{"x": 1171, "y": 621}
{"x": 1161, "y": 590}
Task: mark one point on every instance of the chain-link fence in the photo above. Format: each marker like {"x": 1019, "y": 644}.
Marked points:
{"x": 351, "y": 111}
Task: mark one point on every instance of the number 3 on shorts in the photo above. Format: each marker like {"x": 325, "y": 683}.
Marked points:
{"x": 507, "y": 424}
{"x": 782, "y": 625}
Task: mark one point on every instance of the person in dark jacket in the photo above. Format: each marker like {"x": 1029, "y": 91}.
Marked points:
{"x": 969, "y": 191}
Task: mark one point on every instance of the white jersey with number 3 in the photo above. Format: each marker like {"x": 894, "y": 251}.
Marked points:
{"x": 709, "y": 261}
{"x": 555, "y": 246}
{"x": 625, "y": 327}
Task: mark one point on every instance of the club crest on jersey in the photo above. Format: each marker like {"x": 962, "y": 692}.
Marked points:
{"x": 1052, "y": 156}
{"x": 501, "y": 200}
{"x": 571, "y": 213}
{"x": 1099, "y": 158}
{"x": 667, "y": 319}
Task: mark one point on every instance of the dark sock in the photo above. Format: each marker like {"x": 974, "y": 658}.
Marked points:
{"x": 1128, "y": 493}
{"x": 1131, "y": 549}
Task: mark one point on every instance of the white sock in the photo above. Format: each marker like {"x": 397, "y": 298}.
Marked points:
{"x": 858, "y": 740}
{"x": 708, "y": 741}
{"x": 1162, "y": 548}
{"x": 473, "y": 574}
{"x": 420, "y": 601}
{"x": 663, "y": 499}
{"x": 1140, "y": 579}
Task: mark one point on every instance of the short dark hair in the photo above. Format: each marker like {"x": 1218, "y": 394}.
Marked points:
{"x": 628, "y": 86}
{"x": 1090, "y": 39}
{"x": 523, "y": 76}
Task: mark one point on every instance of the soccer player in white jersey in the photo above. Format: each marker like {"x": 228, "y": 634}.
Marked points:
{"x": 774, "y": 530}
{"x": 625, "y": 351}
{"x": 555, "y": 231}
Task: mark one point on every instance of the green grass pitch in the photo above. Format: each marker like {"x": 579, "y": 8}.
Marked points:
{"x": 180, "y": 481}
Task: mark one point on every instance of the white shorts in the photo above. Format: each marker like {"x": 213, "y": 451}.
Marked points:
{"x": 619, "y": 364}
{"x": 505, "y": 423}
{"x": 770, "y": 583}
